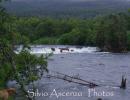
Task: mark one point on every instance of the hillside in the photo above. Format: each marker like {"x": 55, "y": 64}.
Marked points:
{"x": 66, "y": 8}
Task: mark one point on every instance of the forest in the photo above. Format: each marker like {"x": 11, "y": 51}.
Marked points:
{"x": 110, "y": 33}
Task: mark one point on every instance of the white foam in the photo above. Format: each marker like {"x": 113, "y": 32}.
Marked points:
{"x": 42, "y": 49}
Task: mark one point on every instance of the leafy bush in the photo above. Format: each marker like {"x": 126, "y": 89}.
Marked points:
{"x": 46, "y": 40}
{"x": 75, "y": 37}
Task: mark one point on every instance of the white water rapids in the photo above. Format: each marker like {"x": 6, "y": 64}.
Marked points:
{"x": 43, "y": 49}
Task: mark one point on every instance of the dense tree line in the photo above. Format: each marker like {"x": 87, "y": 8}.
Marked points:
{"x": 110, "y": 33}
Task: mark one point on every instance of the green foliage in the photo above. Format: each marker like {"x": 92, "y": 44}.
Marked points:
{"x": 46, "y": 40}
{"x": 23, "y": 67}
{"x": 75, "y": 37}
{"x": 5, "y": 69}
{"x": 108, "y": 32}
{"x": 111, "y": 33}
{"x": 3, "y": 20}
{"x": 128, "y": 40}
{"x": 45, "y": 28}
{"x": 30, "y": 67}
{"x": 128, "y": 10}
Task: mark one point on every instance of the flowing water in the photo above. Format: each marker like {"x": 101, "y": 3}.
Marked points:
{"x": 105, "y": 69}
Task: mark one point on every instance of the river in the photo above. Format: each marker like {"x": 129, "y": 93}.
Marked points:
{"x": 103, "y": 68}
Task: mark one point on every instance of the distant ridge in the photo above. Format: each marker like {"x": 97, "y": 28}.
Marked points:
{"x": 66, "y": 8}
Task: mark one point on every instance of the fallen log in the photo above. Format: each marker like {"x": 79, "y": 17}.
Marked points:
{"x": 73, "y": 79}
{"x": 85, "y": 84}
{"x": 78, "y": 79}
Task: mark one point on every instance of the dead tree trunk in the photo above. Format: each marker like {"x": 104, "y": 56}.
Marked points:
{"x": 123, "y": 83}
